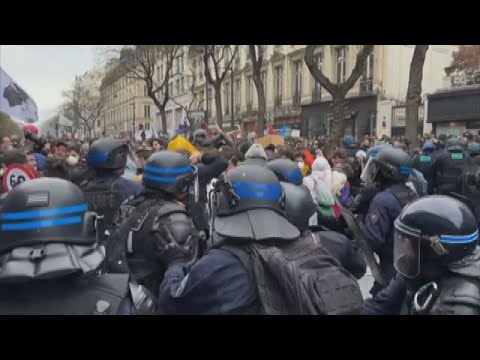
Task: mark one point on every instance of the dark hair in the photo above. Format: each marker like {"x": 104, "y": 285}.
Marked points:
{"x": 287, "y": 152}
{"x": 151, "y": 141}
{"x": 300, "y": 154}
{"x": 270, "y": 147}
{"x": 14, "y": 157}
{"x": 29, "y": 152}
{"x": 340, "y": 153}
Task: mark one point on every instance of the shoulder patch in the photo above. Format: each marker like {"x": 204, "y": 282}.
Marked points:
{"x": 374, "y": 216}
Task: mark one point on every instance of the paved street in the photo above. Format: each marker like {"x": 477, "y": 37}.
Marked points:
{"x": 366, "y": 284}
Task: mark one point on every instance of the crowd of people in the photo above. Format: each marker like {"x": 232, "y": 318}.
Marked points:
{"x": 216, "y": 224}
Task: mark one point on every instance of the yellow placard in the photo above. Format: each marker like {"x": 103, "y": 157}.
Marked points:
{"x": 181, "y": 143}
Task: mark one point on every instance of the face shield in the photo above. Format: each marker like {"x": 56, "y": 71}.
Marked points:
{"x": 407, "y": 243}
{"x": 194, "y": 188}
{"x": 370, "y": 171}
{"x": 406, "y": 254}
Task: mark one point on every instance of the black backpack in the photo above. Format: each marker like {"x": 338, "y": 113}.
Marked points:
{"x": 299, "y": 278}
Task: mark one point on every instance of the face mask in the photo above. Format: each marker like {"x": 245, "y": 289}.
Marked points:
{"x": 72, "y": 160}
{"x": 301, "y": 164}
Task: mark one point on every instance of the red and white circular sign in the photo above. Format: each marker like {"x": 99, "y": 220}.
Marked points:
{"x": 15, "y": 174}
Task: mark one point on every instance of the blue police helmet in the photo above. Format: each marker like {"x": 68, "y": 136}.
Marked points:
{"x": 349, "y": 140}
{"x": 474, "y": 148}
{"x": 373, "y": 152}
{"x": 454, "y": 144}
{"x": 43, "y": 211}
{"x": 429, "y": 145}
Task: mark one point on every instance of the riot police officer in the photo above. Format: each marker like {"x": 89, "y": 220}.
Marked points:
{"x": 424, "y": 162}
{"x": 351, "y": 146}
{"x": 448, "y": 167}
{"x": 473, "y": 149}
{"x": 362, "y": 200}
{"x": 470, "y": 179}
{"x": 50, "y": 257}
{"x": 299, "y": 207}
{"x": 390, "y": 169}
{"x": 168, "y": 178}
{"x": 437, "y": 259}
{"x": 105, "y": 190}
{"x": 250, "y": 235}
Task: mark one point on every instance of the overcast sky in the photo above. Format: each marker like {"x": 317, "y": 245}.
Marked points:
{"x": 44, "y": 71}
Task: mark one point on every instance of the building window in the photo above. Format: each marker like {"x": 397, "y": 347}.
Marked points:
{"x": 366, "y": 83}
{"x": 182, "y": 85}
{"x": 297, "y": 82}
{"x": 249, "y": 93}
{"x": 341, "y": 64}
{"x": 147, "y": 126}
{"x": 178, "y": 115}
{"x": 144, "y": 90}
{"x": 177, "y": 86}
{"x": 278, "y": 85}
{"x": 226, "y": 97}
{"x": 181, "y": 63}
{"x": 263, "y": 76}
{"x": 168, "y": 116}
{"x": 171, "y": 88}
{"x": 146, "y": 111}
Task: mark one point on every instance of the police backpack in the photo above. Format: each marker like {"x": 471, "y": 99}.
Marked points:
{"x": 300, "y": 277}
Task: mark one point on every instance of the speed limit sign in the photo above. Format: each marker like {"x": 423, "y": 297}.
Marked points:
{"x": 15, "y": 174}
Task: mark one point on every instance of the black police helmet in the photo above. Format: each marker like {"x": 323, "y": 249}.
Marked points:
{"x": 250, "y": 204}
{"x": 169, "y": 171}
{"x": 249, "y": 187}
{"x": 107, "y": 154}
{"x": 433, "y": 228}
{"x": 299, "y": 205}
{"x": 393, "y": 164}
{"x": 286, "y": 170}
{"x": 45, "y": 210}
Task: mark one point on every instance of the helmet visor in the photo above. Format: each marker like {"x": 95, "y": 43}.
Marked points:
{"x": 406, "y": 254}
{"x": 370, "y": 171}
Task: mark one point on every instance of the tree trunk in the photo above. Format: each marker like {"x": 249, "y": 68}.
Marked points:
{"x": 218, "y": 106}
{"x": 414, "y": 92}
{"x": 163, "y": 118}
{"x": 163, "y": 115}
{"x": 261, "y": 105}
{"x": 337, "y": 127}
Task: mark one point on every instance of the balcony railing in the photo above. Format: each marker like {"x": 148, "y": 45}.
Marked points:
{"x": 316, "y": 94}
{"x": 366, "y": 86}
